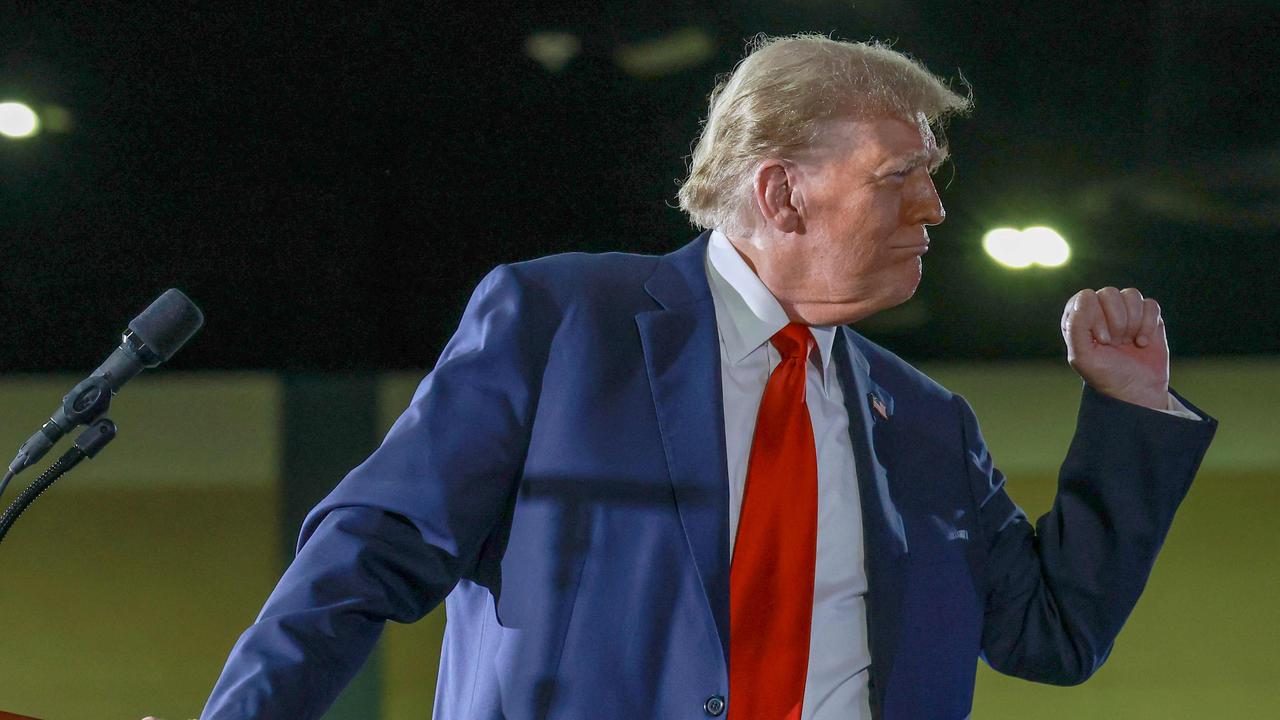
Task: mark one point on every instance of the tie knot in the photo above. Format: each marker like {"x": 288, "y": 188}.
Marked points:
{"x": 792, "y": 341}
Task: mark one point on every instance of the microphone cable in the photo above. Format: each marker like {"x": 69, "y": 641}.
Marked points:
{"x": 93, "y": 439}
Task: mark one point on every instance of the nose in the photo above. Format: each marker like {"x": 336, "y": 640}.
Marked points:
{"x": 924, "y": 205}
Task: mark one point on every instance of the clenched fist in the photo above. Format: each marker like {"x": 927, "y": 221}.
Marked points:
{"x": 1115, "y": 341}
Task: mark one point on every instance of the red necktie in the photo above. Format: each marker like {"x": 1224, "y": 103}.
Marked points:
{"x": 771, "y": 576}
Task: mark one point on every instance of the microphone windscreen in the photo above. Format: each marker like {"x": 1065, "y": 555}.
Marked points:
{"x": 168, "y": 323}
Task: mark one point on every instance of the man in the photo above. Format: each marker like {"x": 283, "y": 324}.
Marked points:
{"x": 682, "y": 487}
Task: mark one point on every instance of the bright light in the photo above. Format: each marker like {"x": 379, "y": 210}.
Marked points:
{"x": 1008, "y": 247}
{"x": 1021, "y": 249}
{"x": 1051, "y": 248}
{"x": 18, "y": 120}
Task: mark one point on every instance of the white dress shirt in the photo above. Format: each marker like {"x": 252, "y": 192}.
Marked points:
{"x": 747, "y": 315}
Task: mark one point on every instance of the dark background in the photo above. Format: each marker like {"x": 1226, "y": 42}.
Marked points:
{"x": 329, "y": 181}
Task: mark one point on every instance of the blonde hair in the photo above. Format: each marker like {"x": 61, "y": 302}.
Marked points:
{"x": 774, "y": 101}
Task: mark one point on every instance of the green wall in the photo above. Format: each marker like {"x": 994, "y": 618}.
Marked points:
{"x": 125, "y": 586}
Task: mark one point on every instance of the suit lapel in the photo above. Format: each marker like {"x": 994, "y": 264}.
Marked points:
{"x": 885, "y": 538}
{"x": 682, "y": 358}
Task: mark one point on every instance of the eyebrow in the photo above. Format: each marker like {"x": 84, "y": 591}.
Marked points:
{"x": 931, "y": 157}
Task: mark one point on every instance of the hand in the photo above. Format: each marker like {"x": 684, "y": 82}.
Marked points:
{"x": 1116, "y": 342}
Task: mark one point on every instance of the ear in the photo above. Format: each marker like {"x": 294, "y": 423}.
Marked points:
{"x": 775, "y": 196}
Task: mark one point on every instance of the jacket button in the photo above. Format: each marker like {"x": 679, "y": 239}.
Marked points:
{"x": 714, "y": 706}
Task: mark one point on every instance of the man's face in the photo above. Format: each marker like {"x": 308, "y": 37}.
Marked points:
{"x": 864, "y": 197}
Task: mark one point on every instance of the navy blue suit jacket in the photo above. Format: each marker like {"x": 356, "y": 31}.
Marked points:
{"x": 559, "y": 479}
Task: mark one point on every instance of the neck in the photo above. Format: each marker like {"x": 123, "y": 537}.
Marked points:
{"x": 783, "y": 284}
{"x": 792, "y": 287}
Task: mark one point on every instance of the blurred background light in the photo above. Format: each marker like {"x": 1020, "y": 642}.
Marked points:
{"x": 18, "y": 120}
{"x": 55, "y": 119}
{"x": 666, "y": 55}
{"x": 552, "y": 50}
{"x": 1020, "y": 249}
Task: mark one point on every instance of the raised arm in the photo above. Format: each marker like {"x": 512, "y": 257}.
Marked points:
{"x": 1057, "y": 595}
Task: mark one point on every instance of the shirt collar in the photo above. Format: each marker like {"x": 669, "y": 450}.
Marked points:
{"x": 753, "y": 314}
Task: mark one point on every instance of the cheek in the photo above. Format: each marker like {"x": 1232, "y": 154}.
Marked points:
{"x": 853, "y": 234}
{"x": 863, "y": 252}
{"x": 865, "y": 246}
{"x": 856, "y": 236}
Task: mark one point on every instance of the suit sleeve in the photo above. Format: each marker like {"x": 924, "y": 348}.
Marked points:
{"x": 1057, "y": 595}
{"x": 395, "y": 536}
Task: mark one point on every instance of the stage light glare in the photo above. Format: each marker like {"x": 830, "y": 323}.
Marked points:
{"x": 1051, "y": 249}
{"x": 1009, "y": 248}
{"x": 1020, "y": 249}
{"x": 17, "y": 120}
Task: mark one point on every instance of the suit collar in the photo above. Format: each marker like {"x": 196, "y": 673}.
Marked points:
{"x": 678, "y": 279}
{"x": 866, "y": 425}
{"x": 883, "y": 530}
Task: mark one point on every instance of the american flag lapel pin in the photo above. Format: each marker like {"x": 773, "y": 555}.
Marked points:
{"x": 878, "y": 405}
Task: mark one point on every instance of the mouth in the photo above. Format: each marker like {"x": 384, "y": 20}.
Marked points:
{"x": 918, "y": 248}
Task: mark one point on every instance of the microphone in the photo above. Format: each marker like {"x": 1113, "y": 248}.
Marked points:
{"x": 152, "y": 338}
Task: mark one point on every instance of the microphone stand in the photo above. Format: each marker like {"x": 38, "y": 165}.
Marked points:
{"x": 155, "y": 335}
{"x": 94, "y": 438}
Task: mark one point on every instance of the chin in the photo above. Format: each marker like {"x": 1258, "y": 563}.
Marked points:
{"x": 911, "y": 283}
{"x": 904, "y": 284}
{"x": 848, "y": 315}
{"x": 901, "y": 293}
{"x": 891, "y": 291}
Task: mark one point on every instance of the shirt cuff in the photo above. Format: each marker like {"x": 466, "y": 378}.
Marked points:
{"x": 1176, "y": 408}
